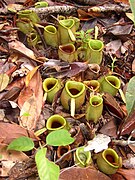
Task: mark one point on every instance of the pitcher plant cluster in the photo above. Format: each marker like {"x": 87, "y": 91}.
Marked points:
{"x": 74, "y": 45}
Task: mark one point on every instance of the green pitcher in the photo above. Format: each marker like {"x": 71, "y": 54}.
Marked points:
{"x": 25, "y": 25}
{"x": 95, "y": 48}
{"x": 73, "y": 96}
{"x": 92, "y": 85}
{"x": 82, "y": 54}
{"x": 82, "y": 158}
{"x": 33, "y": 39}
{"x": 94, "y": 108}
{"x": 110, "y": 84}
{"x": 51, "y": 35}
{"x": 108, "y": 161}
{"x": 56, "y": 122}
{"x": 66, "y": 31}
{"x": 51, "y": 86}
{"x": 29, "y": 14}
{"x": 67, "y": 53}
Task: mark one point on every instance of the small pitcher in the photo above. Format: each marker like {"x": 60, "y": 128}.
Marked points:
{"x": 110, "y": 84}
{"x": 56, "y": 122}
{"x": 73, "y": 92}
{"x": 95, "y": 48}
{"x": 108, "y": 161}
{"x": 66, "y": 31}
{"x": 29, "y": 14}
{"x": 94, "y": 108}
{"x": 51, "y": 35}
{"x": 51, "y": 86}
{"x": 82, "y": 158}
{"x": 67, "y": 52}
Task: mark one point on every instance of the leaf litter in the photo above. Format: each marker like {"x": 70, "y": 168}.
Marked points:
{"x": 22, "y": 85}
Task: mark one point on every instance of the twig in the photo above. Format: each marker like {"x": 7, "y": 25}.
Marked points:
{"x": 123, "y": 142}
{"x": 110, "y": 7}
{"x": 42, "y": 12}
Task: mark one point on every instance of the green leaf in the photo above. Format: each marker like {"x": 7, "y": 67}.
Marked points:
{"x": 21, "y": 144}
{"x": 132, "y": 5}
{"x": 47, "y": 170}
{"x": 89, "y": 31}
{"x": 130, "y": 95}
{"x": 59, "y": 138}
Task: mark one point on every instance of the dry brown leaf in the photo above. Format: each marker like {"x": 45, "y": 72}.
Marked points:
{"x": 29, "y": 108}
{"x": 9, "y": 158}
{"x": 129, "y": 174}
{"x": 112, "y": 105}
{"x": 82, "y": 174}
{"x": 30, "y": 75}
{"x": 33, "y": 95}
{"x": 122, "y": 1}
{"x": 4, "y": 80}
{"x": 17, "y": 83}
{"x": 9, "y": 132}
{"x": 21, "y": 48}
{"x": 129, "y": 124}
{"x": 110, "y": 128}
{"x": 24, "y": 95}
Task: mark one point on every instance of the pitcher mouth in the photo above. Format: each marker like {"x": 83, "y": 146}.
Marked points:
{"x": 49, "y": 84}
{"x": 50, "y": 29}
{"x": 96, "y": 45}
{"x": 75, "y": 89}
{"x": 55, "y": 122}
{"x": 68, "y": 48}
{"x": 113, "y": 81}
{"x": 96, "y": 101}
{"x": 110, "y": 156}
{"x": 67, "y": 23}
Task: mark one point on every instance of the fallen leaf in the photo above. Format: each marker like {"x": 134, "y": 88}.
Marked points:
{"x": 24, "y": 95}
{"x": 76, "y": 68}
{"x": 112, "y": 105}
{"x": 101, "y": 139}
{"x": 30, "y": 75}
{"x": 21, "y": 48}
{"x": 9, "y": 158}
{"x": 12, "y": 94}
{"x": 114, "y": 46}
{"x": 4, "y": 80}
{"x": 32, "y": 95}
{"x": 110, "y": 128}
{"x": 132, "y": 147}
{"x": 28, "y": 121}
{"x": 9, "y": 132}
{"x": 122, "y": 1}
{"x": 19, "y": 83}
{"x": 81, "y": 174}
{"x": 129, "y": 124}
{"x": 11, "y": 113}
{"x": 129, "y": 174}
{"x": 121, "y": 29}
